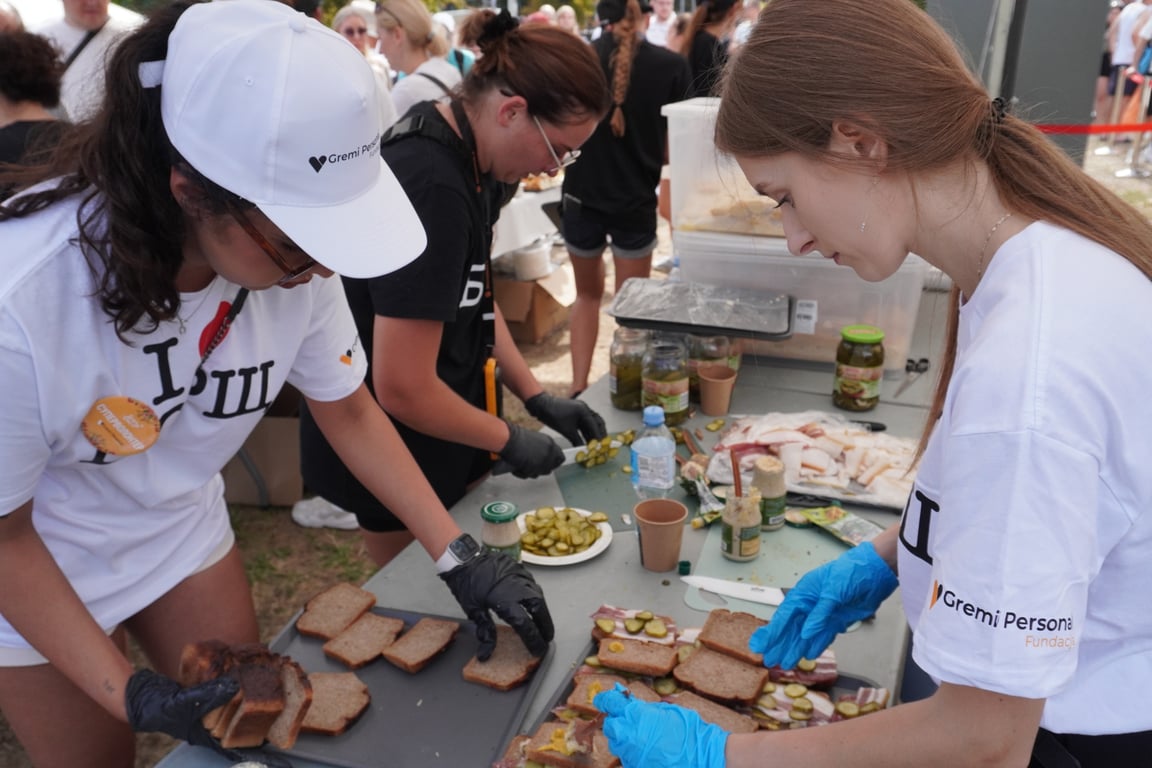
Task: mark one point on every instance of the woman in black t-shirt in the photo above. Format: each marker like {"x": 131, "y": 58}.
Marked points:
{"x": 705, "y": 43}
{"x": 533, "y": 97}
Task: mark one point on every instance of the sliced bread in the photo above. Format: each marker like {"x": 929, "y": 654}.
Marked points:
{"x": 364, "y": 639}
{"x": 585, "y": 688}
{"x": 261, "y": 702}
{"x": 721, "y": 678}
{"x": 297, "y": 700}
{"x": 332, "y": 611}
{"x": 551, "y": 745}
{"x": 637, "y": 656}
{"x": 509, "y": 666}
{"x": 711, "y": 712}
{"x": 728, "y": 632}
{"x": 338, "y": 698}
{"x": 426, "y": 639}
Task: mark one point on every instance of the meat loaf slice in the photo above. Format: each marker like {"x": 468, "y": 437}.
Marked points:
{"x": 636, "y": 656}
{"x": 364, "y": 640}
{"x": 721, "y": 678}
{"x": 728, "y": 632}
{"x": 509, "y": 666}
{"x": 332, "y": 611}
{"x": 338, "y": 698}
{"x": 297, "y": 700}
{"x": 711, "y": 712}
{"x": 426, "y": 639}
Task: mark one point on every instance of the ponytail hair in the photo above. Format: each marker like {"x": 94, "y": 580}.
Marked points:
{"x": 626, "y": 33}
{"x": 416, "y": 21}
{"x": 708, "y": 12}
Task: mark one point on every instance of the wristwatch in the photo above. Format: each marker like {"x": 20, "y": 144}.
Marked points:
{"x": 462, "y": 549}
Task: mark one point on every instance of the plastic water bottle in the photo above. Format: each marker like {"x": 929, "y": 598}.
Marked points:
{"x": 654, "y": 457}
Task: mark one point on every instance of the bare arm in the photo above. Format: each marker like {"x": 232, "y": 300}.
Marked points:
{"x": 42, "y": 606}
{"x": 515, "y": 373}
{"x": 365, "y": 440}
{"x": 407, "y": 386}
{"x": 885, "y": 545}
{"x": 957, "y": 726}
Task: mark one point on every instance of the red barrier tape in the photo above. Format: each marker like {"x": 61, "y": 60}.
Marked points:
{"x": 1096, "y": 129}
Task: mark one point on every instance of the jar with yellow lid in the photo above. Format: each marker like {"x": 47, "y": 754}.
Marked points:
{"x": 859, "y": 368}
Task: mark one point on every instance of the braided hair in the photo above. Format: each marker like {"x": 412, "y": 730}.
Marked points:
{"x": 625, "y": 32}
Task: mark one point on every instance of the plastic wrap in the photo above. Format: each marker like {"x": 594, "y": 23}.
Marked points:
{"x": 666, "y": 305}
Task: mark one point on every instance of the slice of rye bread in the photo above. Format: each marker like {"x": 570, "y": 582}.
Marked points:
{"x": 261, "y": 702}
{"x": 332, "y": 611}
{"x": 711, "y": 712}
{"x": 509, "y": 666}
{"x": 542, "y": 749}
{"x": 729, "y": 631}
{"x": 637, "y": 656}
{"x": 585, "y": 688}
{"x": 513, "y": 756}
{"x": 364, "y": 639}
{"x": 297, "y": 700}
{"x": 426, "y": 639}
{"x": 338, "y": 698}
{"x": 721, "y": 678}
{"x": 203, "y": 661}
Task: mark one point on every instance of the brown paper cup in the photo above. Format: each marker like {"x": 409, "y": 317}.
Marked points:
{"x": 660, "y": 528}
{"x": 716, "y": 383}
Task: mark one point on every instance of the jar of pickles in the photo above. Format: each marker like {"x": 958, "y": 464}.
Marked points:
{"x": 664, "y": 378}
{"x": 704, "y": 350}
{"x": 859, "y": 368}
{"x": 626, "y": 360}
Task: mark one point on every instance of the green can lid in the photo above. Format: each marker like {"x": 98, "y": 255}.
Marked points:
{"x": 862, "y": 334}
{"x": 499, "y": 512}
{"x": 684, "y": 567}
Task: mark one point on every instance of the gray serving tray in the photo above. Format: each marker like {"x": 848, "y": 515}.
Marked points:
{"x": 430, "y": 718}
{"x": 682, "y": 307}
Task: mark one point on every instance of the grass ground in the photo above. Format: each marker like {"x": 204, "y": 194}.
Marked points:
{"x": 287, "y": 564}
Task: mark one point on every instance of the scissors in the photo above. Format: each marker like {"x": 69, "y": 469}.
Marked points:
{"x": 912, "y": 371}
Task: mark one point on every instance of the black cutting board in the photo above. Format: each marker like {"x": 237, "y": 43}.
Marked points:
{"x": 433, "y": 717}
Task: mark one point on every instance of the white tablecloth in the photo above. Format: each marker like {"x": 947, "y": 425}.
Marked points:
{"x": 522, "y": 221}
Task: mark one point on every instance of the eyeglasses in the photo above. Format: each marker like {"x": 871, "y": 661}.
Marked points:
{"x": 290, "y": 273}
{"x": 561, "y": 162}
{"x": 354, "y": 32}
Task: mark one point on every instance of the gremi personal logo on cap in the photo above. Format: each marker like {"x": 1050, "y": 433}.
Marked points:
{"x": 371, "y": 150}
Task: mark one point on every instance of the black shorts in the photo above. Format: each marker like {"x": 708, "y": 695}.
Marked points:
{"x": 1118, "y": 72}
{"x": 587, "y": 231}
{"x": 1069, "y": 750}
{"x": 1106, "y": 65}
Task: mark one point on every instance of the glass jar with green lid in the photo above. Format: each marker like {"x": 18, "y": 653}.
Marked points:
{"x": 664, "y": 378}
{"x": 500, "y": 532}
{"x": 625, "y": 361}
{"x": 859, "y": 368}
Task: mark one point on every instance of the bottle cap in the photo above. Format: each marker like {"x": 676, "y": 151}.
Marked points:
{"x": 684, "y": 568}
{"x": 653, "y": 416}
{"x": 499, "y": 512}
{"x": 862, "y": 334}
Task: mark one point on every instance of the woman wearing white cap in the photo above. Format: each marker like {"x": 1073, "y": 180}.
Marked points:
{"x": 145, "y": 324}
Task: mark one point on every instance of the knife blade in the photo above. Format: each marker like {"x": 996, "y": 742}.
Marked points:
{"x": 754, "y": 593}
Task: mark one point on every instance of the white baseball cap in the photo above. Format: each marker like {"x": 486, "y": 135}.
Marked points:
{"x": 280, "y": 110}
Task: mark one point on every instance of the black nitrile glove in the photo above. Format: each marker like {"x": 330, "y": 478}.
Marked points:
{"x": 571, "y": 418}
{"x": 492, "y": 581}
{"x": 159, "y": 703}
{"x": 530, "y": 453}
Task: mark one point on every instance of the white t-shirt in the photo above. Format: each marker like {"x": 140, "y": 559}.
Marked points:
{"x": 127, "y": 529}
{"x": 1026, "y": 545}
{"x": 657, "y": 33}
{"x": 1125, "y": 51}
{"x": 415, "y": 88}
{"x": 82, "y": 87}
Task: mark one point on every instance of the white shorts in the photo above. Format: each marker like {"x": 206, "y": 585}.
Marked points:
{"x": 27, "y": 656}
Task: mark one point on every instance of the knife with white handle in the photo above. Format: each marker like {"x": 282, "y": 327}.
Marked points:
{"x": 754, "y": 593}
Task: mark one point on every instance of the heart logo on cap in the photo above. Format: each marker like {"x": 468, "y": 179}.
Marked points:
{"x": 317, "y": 162}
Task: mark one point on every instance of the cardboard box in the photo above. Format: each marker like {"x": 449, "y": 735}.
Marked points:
{"x": 268, "y": 472}
{"x": 533, "y": 309}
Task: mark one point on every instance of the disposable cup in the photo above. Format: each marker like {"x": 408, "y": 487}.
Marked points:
{"x": 716, "y": 383}
{"x": 660, "y": 528}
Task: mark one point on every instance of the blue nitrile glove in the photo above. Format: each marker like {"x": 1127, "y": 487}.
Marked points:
{"x": 571, "y": 418}
{"x": 660, "y": 735}
{"x": 825, "y": 602}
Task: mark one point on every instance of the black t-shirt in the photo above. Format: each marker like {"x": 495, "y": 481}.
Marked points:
{"x": 23, "y": 141}
{"x": 706, "y": 59}
{"x": 445, "y": 284}
{"x": 617, "y": 174}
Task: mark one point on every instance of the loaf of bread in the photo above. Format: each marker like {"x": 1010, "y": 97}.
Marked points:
{"x": 509, "y": 666}
{"x": 426, "y": 639}
{"x": 721, "y": 678}
{"x": 332, "y": 611}
{"x": 651, "y": 659}
{"x": 364, "y": 640}
{"x": 297, "y": 700}
{"x": 338, "y": 698}
{"x": 728, "y": 632}
{"x": 261, "y": 700}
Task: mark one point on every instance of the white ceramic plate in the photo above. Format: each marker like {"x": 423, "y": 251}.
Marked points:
{"x": 600, "y": 545}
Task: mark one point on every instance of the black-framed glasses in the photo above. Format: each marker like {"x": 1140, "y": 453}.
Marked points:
{"x": 354, "y": 31}
{"x": 290, "y": 273}
{"x": 569, "y": 157}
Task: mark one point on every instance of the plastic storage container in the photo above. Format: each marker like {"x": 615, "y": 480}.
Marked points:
{"x": 827, "y": 296}
{"x": 708, "y": 189}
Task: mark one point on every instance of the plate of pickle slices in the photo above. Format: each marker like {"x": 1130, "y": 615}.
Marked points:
{"x": 562, "y": 535}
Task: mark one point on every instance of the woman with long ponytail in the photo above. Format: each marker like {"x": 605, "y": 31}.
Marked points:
{"x": 610, "y": 193}
{"x": 705, "y": 43}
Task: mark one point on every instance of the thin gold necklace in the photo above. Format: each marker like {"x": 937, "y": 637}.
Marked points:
{"x": 984, "y": 248}
{"x": 183, "y": 321}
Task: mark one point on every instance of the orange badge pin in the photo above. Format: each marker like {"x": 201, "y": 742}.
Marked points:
{"x": 121, "y": 426}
